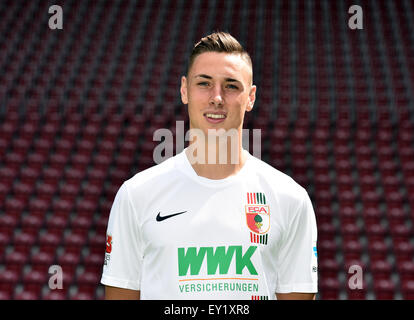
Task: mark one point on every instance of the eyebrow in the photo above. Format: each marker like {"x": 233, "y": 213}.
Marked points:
{"x": 209, "y": 77}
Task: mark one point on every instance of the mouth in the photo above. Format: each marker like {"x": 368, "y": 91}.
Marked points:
{"x": 215, "y": 117}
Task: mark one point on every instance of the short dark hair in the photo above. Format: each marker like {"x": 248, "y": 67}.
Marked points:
{"x": 218, "y": 41}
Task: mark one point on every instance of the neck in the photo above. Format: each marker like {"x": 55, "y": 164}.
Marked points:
{"x": 218, "y": 158}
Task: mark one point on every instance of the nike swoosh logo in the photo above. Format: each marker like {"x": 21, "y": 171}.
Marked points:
{"x": 159, "y": 218}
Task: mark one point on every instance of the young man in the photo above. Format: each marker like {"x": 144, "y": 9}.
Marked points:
{"x": 200, "y": 227}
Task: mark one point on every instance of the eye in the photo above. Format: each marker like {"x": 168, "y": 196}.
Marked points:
{"x": 203, "y": 83}
{"x": 232, "y": 86}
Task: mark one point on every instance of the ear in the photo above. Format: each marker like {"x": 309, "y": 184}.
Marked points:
{"x": 252, "y": 98}
{"x": 183, "y": 90}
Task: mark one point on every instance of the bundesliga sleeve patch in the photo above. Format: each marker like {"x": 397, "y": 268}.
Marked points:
{"x": 257, "y": 217}
{"x": 108, "y": 249}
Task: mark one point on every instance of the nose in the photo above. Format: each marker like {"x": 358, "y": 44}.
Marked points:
{"x": 216, "y": 98}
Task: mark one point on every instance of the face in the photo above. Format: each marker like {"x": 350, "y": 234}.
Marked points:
{"x": 218, "y": 91}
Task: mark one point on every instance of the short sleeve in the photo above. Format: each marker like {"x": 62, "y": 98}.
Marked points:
{"x": 297, "y": 255}
{"x": 123, "y": 254}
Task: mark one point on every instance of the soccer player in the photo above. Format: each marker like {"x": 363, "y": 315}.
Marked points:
{"x": 212, "y": 222}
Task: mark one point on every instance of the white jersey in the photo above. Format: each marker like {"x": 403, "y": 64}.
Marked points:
{"x": 175, "y": 235}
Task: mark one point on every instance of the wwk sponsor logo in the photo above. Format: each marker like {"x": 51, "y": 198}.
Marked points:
{"x": 218, "y": 259}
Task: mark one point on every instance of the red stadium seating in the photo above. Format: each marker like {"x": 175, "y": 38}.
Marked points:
{"x": 384, "y": 289}
{"x": 407, "y": 289}
{"x": 56, "y": 294}
{"x": 9, "y": 279}
{"x": 330, "y": 289}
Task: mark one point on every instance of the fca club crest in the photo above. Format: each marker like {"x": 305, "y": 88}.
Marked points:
{"x": 257, "y": 217}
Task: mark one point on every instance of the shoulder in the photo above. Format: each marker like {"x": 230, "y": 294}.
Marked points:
{"x": 152, "y": 176}
{"x": 283, "y": 191}
{"x": 289, "y": 197}
{"x": 278, "y": 181}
